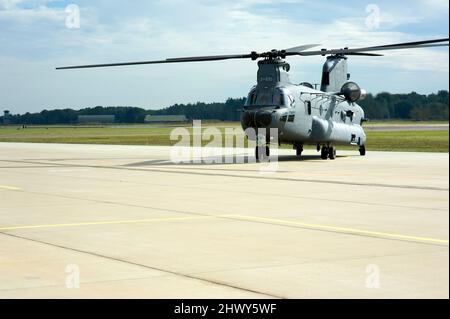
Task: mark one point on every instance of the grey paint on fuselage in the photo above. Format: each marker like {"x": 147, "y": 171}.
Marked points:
{"x": 307, "y": 116}
{"x": 327, "y": 123}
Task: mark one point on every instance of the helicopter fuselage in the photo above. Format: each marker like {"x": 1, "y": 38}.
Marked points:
{"x": 304, "y": 115}
{"x": 300, "y": 114}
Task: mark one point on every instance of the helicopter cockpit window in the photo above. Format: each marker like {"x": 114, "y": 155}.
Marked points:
{"x": 277, "y": 98}
{"x": 326, "y": 78}
{"x": 251, "y": 99}
{"x": 282, "y": 100}
{"x": 264, "y": 99}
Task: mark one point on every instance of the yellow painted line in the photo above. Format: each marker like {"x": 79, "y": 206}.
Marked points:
{"x": 115, "y": 222}
{"x": 9, "y": 188}
{"x": 345, "y": 230}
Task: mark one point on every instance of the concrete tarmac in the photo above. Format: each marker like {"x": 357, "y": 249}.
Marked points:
{"x": 91, "y": 221}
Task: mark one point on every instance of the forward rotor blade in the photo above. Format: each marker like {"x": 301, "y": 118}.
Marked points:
{"x": 301, "y": 48}
{"x": 109, "y": 65}
{"x": 397, "y": 46}
{"x": 210, "y": 58}
{"x": 173, "y": 60}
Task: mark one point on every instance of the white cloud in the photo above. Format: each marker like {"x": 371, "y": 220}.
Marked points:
{"x": 436, "y": 5}
{"x": 9, "y": 4}
{"x": 113, "y": 32}
{"x": 10, "y": 11}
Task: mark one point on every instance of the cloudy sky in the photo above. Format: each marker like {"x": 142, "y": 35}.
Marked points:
{"x": 38, "y": 35}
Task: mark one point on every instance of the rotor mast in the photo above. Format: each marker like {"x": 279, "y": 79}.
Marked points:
{"x": 273, "y": 72}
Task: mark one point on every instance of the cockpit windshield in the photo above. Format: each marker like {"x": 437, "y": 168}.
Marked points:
{"x": 275, "y": 98}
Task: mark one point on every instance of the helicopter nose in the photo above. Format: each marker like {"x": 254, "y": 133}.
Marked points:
{"x": 247, "y": 119}
{"x": 263, "y": 119}
{"x": 258, "y": 119}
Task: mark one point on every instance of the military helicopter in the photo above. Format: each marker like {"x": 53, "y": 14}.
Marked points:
{"x": 299, "y": 113}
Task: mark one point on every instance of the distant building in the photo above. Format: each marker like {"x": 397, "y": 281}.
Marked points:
{"x": 6, "y": 117}
{"x": 166, "y": 119}
{"x": 96, "y": 119}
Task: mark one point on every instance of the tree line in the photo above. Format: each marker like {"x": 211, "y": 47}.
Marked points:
{"x": 412, "y": 106}
{"x": 382, "y": 106}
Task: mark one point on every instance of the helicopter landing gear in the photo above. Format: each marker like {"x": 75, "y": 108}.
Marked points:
{"x": 331, "y": 153}
{"x": 328, "y": 152}
{"x": 262, "y": 153}
{"x": 362, "y": 150}
{"x": 299, "y": 149}
{"x": 262, "y": 150}
{"x": 324, "y": 153}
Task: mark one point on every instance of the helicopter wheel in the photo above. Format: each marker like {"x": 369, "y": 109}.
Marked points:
{"x": 299, "y": 150}
{"x": 324, "y": 153}
{"x": 262, "y": 153}
{"x": 332, "y": 153}
{"x": 362, "y": 150}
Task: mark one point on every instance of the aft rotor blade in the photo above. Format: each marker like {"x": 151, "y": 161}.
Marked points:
{"x": 364, "y": 54}
{"x": 397, "y": 46}
{"x": 173, "y": 60}
{"x": 417, "y": 43}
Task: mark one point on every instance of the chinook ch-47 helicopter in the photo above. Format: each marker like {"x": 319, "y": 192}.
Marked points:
{"x": 298, "y": 113}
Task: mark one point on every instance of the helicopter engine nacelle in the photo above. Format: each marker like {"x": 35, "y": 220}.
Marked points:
{"x": 352, "y": 92}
